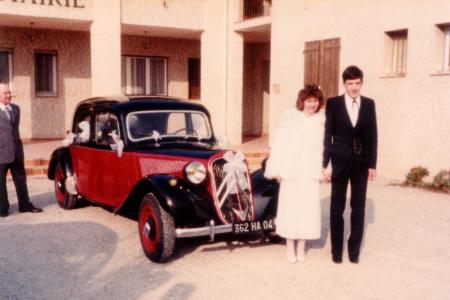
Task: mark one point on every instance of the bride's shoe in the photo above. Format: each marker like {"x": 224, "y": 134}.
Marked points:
{"x": 290, "y": 251}
{"x": 301, "y": 255}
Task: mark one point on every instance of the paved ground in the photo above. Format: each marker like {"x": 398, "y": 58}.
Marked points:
{"x": 89, "y": 253}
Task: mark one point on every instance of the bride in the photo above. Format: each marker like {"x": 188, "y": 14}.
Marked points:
{"x": 296, "y": 162}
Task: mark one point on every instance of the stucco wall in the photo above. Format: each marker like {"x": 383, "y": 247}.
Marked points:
{"x": 413, "y": 110}
{"x": 176, "y": 51}
{"x": 48, "y": 117}
{"x": 186, "y": 14}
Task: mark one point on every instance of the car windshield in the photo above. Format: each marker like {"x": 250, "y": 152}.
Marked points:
{"x": 156, "y": 125}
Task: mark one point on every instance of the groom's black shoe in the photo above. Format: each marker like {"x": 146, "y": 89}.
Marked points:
{"x": 337, "y": 259}
{"x": 30, "y": 208}
{"x": 354, "y": 259}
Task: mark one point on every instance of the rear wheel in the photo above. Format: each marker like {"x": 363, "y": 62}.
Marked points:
{"x": 65, "y": 200}
{"x": 156, "y": 230}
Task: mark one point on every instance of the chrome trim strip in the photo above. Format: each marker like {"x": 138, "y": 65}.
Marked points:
{"x": 210, "y": 230}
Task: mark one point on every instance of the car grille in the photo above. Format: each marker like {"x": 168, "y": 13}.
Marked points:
{"x": 233, "y": 198}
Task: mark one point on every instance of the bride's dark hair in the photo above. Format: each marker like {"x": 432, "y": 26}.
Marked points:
{"x": 310, "y": 90}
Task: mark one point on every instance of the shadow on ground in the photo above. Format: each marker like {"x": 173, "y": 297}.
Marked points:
{"x": 68, "y": 261}
{"x": 324, "y": 235}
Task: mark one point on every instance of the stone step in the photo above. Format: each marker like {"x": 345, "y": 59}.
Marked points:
{"x": 256, "y": 154}
{"x": 36, "y": 162}
{"x": 34, "y": 170}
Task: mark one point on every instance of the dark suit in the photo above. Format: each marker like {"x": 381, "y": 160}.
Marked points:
{"x": 11, "y": 158}
{"x": 352, "y": 150}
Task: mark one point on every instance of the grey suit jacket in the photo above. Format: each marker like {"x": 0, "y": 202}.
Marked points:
{"x": 11, "y": 147}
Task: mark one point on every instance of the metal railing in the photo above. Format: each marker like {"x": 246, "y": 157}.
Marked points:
{"x": 256, "y": 8}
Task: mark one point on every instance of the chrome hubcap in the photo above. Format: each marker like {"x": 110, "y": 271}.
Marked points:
{"x": 147, "y": 228}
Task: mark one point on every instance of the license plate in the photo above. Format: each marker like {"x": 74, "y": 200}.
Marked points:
{"x": 253, "y": 226}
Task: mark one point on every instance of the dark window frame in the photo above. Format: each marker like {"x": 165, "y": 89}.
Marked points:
{"x": 50, "y": 85}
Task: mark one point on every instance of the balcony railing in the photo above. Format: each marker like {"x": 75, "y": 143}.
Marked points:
{"x": 256, "y": 8}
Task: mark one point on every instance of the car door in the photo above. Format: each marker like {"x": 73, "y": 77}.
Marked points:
{"x": 102, "y": 173}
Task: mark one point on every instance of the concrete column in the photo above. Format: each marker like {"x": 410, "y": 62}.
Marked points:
{"x": 213, "y": 57}
{"x": 221, "y": 68}
{"x": 106, "y": 47}
{"x": 235, "y": 68}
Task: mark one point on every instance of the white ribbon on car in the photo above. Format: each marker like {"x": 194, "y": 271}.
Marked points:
{"x": 235, "y": 170}
{"x": 82, "y": 137}
{"x": 118, "y": 143}
{"x": 155, "y": 135}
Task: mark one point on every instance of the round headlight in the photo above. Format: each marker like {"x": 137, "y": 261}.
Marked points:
{"x": 195, "y": 172}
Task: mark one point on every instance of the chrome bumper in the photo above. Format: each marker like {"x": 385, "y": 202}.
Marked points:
{"x": 210, "y": 230}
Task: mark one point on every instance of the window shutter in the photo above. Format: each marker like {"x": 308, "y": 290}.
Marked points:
{"x": 312, "y": 61}
{"x": 321, "y": 65}
{"x": 330, "y": 68}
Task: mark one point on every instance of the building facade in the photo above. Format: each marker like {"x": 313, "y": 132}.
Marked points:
{"x": 244, "y": 59}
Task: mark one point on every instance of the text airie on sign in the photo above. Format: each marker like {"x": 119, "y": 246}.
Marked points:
{"x": 61, "y": 3}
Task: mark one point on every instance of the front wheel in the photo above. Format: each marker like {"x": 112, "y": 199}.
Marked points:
{"x": 156, "y": 230}
{"x": 65, "y": 200}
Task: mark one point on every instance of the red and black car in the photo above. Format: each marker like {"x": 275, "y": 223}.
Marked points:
{"x": 157, "y": 158}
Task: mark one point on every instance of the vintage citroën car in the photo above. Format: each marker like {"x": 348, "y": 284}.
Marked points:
{"x": 156, "y": 158}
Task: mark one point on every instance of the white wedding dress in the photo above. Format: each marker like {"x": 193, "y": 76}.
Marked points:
{"x": 296, "y": 158}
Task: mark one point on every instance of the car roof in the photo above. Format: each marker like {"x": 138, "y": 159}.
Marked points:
{"x": 133, "y": 103}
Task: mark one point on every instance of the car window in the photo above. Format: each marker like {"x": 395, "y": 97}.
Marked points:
{"x": 106, "y": 125}
{"x": 82, "y": 127}
{"x": 159, "y": 124}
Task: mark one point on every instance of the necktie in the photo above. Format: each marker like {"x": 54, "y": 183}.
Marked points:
{"x": 8, "y": 112}
{"x": 354, "y": 111}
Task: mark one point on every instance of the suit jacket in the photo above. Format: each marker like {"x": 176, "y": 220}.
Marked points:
{"x": 11, "y": 147}
{"x": 343, "y": 142}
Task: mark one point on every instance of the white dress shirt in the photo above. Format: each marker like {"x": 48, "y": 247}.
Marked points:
{"x": 353, "y": 106}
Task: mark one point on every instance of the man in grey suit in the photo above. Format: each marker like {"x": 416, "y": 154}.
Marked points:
{"x": 11, "y": 155}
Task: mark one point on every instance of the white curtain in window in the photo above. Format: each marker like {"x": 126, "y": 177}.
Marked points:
{"x": 144, "y": 76}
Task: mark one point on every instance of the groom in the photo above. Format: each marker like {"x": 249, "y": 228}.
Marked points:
{"x": 351, "y": 144}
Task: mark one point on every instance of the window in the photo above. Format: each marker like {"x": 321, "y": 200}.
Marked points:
{"x": 256, "y": 8}
{"x": 106, "y": 126}
{"x": 154, "y": 125}
{"x": 82, "y": 127}
{"x": 194, "y": 78}
{"x": 322, "y": 65}
{"x": 397, "y": 52}
{"x": 5, "y": 66}
{"x": 45, "y": 77}
{"x": 445, "y": 28}
{"x": 144, "y": 75}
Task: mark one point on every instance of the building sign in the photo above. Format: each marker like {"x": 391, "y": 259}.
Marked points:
{"x": 62, "y": 3}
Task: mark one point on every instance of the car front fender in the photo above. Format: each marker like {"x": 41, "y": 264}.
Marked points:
{"x": 265, "y": 195}
{"x": 60, "y": 155}
{"x": 175, "y": 195}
